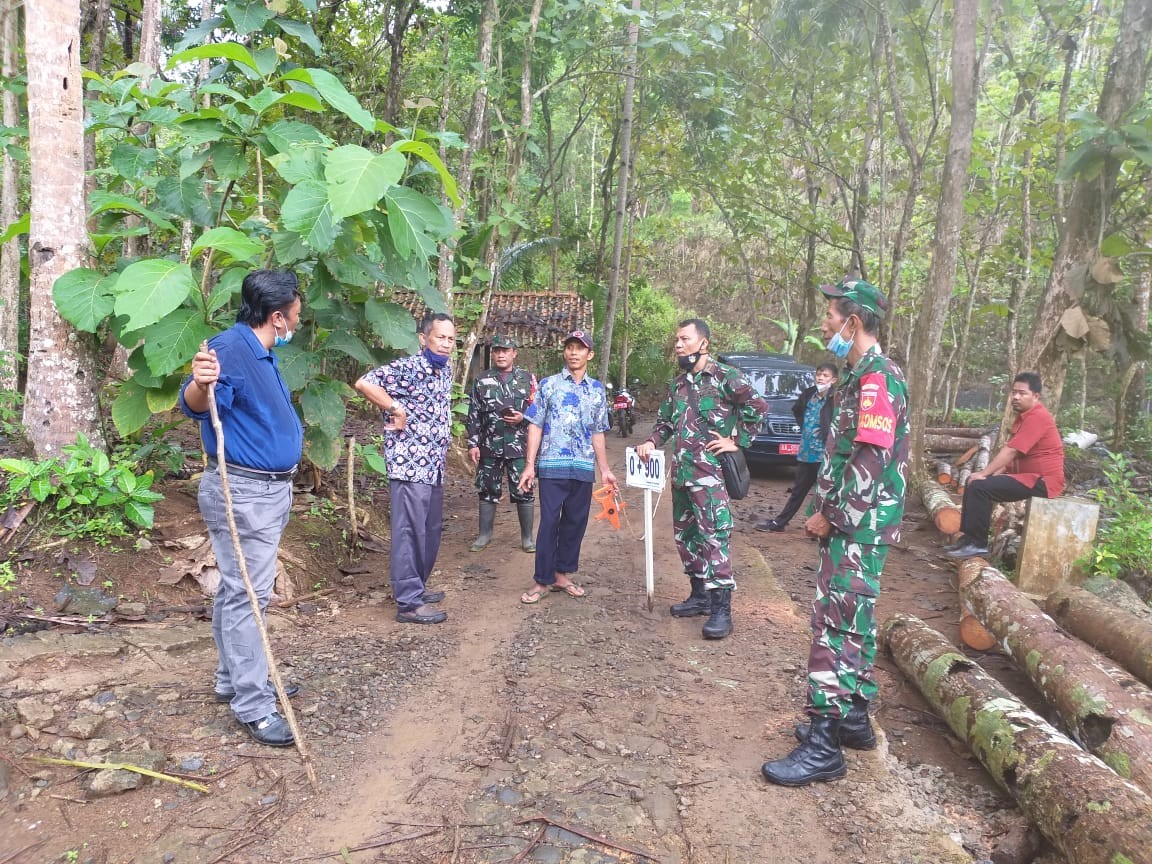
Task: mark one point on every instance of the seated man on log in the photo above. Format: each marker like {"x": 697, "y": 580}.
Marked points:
{"x": 1030, "y": 465}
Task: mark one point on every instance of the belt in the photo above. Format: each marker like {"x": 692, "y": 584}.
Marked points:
{"x": 254, "y": 474}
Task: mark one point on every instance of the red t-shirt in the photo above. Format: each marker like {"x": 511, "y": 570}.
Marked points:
{"x": 1035, "y": 437}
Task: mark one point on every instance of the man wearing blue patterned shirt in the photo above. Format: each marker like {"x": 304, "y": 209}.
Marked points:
{"x": 568, "y": 421}
{"x": 415, "y": 394}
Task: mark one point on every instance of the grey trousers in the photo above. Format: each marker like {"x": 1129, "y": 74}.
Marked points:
{"x": 261, "y": 509}
{"x": 417, "y": 523}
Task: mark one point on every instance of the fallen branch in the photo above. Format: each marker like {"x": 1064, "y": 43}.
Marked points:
{"x": 532, "y": 844}
{"x": 363, "y": 847}
{"x": 288, "y": 604}
{"x": 353, "y": 535}
{"x": 116, "y": 766}
{"x": 588, "y": 835}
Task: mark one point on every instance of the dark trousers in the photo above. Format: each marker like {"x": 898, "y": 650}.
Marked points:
{"x": 980, "y": 495}
{"x": 564, "y": 506}
{"x": 417, "y": 523}
{"x": 805, "y": 479}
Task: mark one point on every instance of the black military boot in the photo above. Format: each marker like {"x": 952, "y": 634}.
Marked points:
{"x": 487, "y": 519}
{"x": 525, "y": 510}
{"x": 819, "y": 758}
{"x": 698, "y": 602}
{"x": 855, "y": 728}
{"x": 719, "y": 623}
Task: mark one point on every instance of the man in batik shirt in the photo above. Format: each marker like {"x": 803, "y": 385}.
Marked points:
{"x": 858, "y": 507}
{"x": 415, "y": 394}
{"x": 711, "y": 408}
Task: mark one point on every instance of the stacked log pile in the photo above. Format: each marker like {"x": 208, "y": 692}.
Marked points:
{"x": 1087, "y": 787}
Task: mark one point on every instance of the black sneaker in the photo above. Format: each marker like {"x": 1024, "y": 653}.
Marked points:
{"x": 272, "y": 730}
{"x": 290, "y": 690}
{"x": 770, "y": 525}
{"x": 969, "y": 550}
{"x": 432, "y": 597}
{"x": 422, "y": 615}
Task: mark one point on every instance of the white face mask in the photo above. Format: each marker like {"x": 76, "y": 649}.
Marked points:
{"x": 823, "y": 388}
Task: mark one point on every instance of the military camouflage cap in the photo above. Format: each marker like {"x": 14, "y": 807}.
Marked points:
{"x": 502, "y": 341}
{"x": 863, "y": 294}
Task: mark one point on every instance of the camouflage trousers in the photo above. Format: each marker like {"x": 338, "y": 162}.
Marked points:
{"x": 844, "y": 625}
{"x": 490, "y": 479}
{"x": 702, "y": 527}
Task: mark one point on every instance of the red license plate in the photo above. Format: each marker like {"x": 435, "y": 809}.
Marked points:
{"x": 789, "y": 449}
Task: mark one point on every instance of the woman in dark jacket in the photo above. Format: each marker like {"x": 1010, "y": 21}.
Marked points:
{"x": 813, "y": 412}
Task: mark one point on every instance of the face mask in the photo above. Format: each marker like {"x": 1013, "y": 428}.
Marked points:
{"x": 282, "y": 340}
{"x": 438, "y": 361}
{"x": 822, "y": 388}
{"x": 840, "y": 346}
{"x": 688, "y": 361}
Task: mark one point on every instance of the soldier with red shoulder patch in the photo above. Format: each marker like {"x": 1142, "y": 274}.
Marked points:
{"x": 858, "y": 507}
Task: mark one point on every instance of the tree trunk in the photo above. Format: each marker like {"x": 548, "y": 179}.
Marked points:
{"x": 1087, "y": 214}
{"x": 809, "y": 306}
{"x": 9, "y": 210}
{"x": 151, "y": 21}
{"x": 1107, "y": 714}
{"x": 1111, "y": 631}
{"x": 921, "y": 367}
{"x": 957, "y": 431}
{"x": 399, "y": 19}
{"x": 60, "y": 400}
{"x": 621, "y": 193}
{"x": 940, "y": 506}
{"x": 947, "y": 443}
{"x": 1088, "y": 813}
{"x": 101, "y": 22}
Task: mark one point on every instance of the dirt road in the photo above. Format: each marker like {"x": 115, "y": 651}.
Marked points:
{"x": 509, "y": 731}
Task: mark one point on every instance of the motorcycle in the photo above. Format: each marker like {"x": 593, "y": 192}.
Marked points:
{"x": 623, "y": 406}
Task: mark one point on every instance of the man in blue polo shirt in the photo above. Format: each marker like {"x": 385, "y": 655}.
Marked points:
{"x": 263, "y": 439}
{"x": 568, "y": 421}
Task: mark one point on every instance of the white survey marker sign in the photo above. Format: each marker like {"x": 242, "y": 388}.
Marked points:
{"x": 644, "y": 475}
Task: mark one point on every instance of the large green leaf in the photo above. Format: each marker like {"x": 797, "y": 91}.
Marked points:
{"x": 130, "y": 410}
{"x": 186, "y": 199}
{"x": 306, "y": 210}
{"x": 323, "y": 405}
{"x": 132, "y": 162}
{"x": 332, "y": 91}
{"x": 358, "y": 178}
{"x": 300, "y": 162}
{"x": 297, "y": 365}
{"x": 321, "y": 448}
{"x": 392, "y": 323}
{"x": 172, "y": 341}
{"x": 148, "y": 290}
{"x": 226, "y": 288}
{"x": 284, "y": 133}
{"x": 200, "y": 130}
{"x": 350, "y": 344}
{"x": 429, "y": 155}
{"x": 229, "y": 241}
{"x": 20, "y": 226}
{"x": 226, "y": 50}
{"x": 410, "y": 215}
{"x": 302, "y": 32}
{"x": 229, "y": 160}
{"x": 164, "y": 398}
{"x": 84, "y": 297}
{"x": 248, "y": 15}
{"x": 101, "y": 201}
{"x": 289, "y": 247}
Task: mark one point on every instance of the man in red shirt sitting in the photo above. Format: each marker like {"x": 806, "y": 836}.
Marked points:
{"x": 1030, "y": 465}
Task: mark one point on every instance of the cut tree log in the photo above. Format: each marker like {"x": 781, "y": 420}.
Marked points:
{"x": 962, "y": 477}
{"x": 946, "y": 443}
{"x": 940, "y": 507}
{"x": 1104, "y": 708}
{"x": 1087, "y": 812}
{"x": 956, "y": 431}
{"x": 943, "y": 472}
{"x": 1115, "y": 633}
{"x": 965, "y": 456}
{"x": 1118, "y": 593}
{"x": 980, "y": 460}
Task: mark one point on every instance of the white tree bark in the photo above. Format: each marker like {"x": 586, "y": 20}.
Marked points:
{"x": 60, "y": 399}
{"x": 10, "y": 254}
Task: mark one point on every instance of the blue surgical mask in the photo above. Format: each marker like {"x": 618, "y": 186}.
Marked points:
{"x": 840, "y": 346}
{"x": 439, "y": 361}
{"x": 282, "y": 340}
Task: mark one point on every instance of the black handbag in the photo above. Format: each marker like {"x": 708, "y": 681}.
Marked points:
{"x": 733, "y": 465}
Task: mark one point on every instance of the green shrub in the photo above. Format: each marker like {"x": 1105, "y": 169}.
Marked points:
{"x": 91, "y": 495}
{"x": 1124, "y": 539}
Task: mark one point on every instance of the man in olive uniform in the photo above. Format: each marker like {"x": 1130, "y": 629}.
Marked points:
{"x": 497, "y": 436}
{"x": 858, "y": 507}
{"x": 710, "y": 409}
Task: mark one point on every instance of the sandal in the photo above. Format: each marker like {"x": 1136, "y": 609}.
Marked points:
{"x": 571, "y": 589}
{"x": 534, "y": 596}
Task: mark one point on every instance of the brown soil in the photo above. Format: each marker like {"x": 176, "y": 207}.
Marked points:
{"x": 601, "y": 716}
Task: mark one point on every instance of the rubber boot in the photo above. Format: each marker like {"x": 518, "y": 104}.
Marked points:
{"x": 525, "y": 510}
{"x": 855, "y": 728}
{"x": 487, "y": 519}
{"x": 819, "y": 758}
{"x": 698, "y": 602}
{"x": 719, "y": 623}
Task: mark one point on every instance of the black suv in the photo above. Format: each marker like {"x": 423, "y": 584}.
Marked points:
{"x": 780, "y": 380}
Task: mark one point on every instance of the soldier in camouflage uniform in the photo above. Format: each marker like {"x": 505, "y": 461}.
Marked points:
{"x": 710, "y": 409}
{"x": 497, "y": 434}
{"x": 859, "y": 505}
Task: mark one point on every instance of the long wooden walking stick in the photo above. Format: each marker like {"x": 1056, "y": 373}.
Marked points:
{"x": 273, "y": 672}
